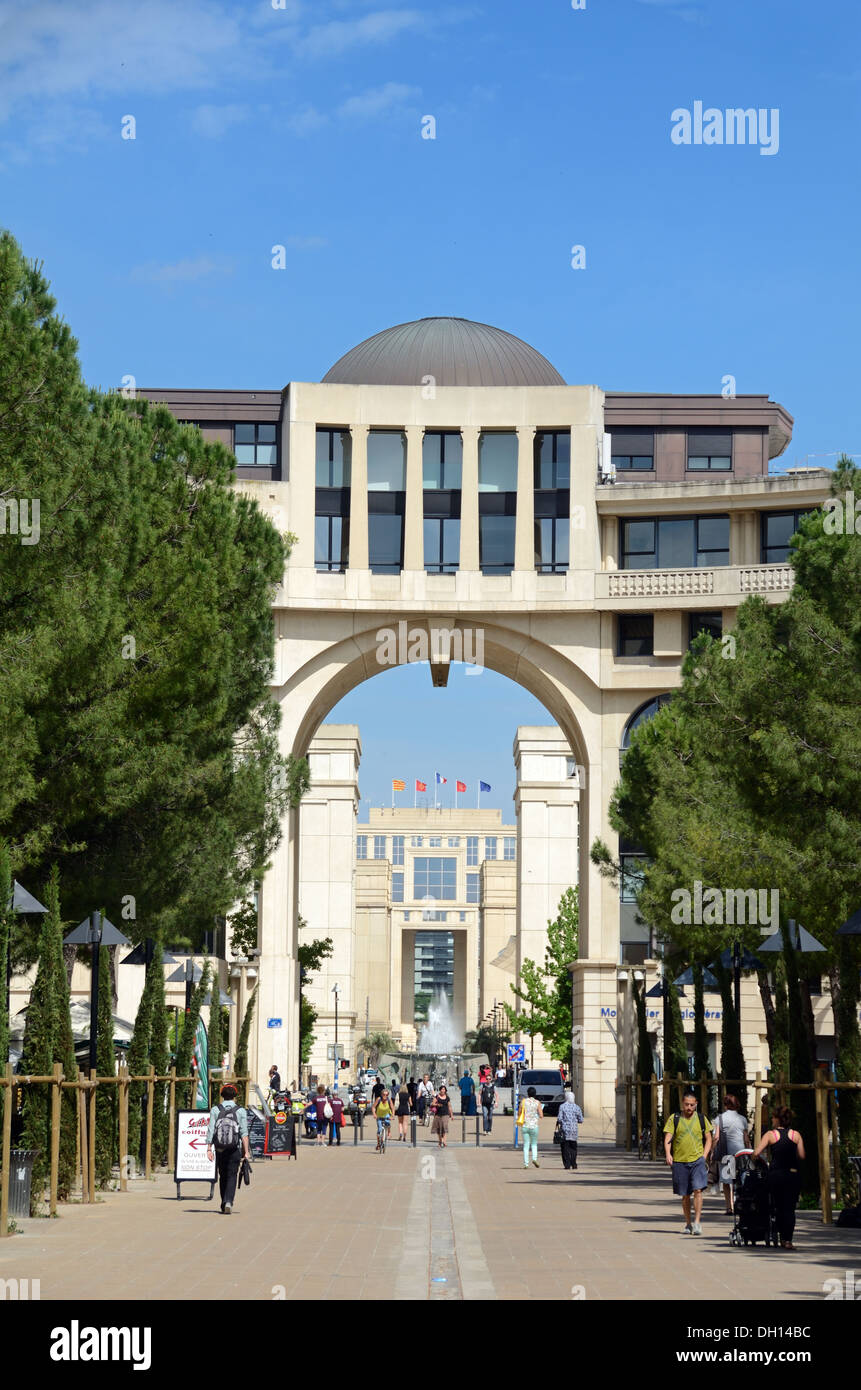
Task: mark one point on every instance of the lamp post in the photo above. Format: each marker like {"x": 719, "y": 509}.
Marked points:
{"x": 336, "y": 989}
{"x": 95, "y": 931}
{"x": 20, "y": 902}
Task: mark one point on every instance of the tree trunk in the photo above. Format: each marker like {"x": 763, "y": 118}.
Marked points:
{"x": 767, "y": 1008}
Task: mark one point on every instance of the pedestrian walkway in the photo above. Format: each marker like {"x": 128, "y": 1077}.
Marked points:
{"x": 420, "y": 1224}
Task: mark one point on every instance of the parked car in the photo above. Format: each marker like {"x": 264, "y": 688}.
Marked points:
{"x": 548, "y": 1088}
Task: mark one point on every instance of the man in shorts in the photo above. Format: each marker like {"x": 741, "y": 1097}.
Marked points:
{"x": 687, "y": 1145}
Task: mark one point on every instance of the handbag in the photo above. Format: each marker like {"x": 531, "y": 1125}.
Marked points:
{"x": 557, "y": 1134}
{"x": 244, "y": 1173}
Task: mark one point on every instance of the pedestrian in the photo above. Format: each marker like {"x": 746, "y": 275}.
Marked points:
{"x": 395, "y": 1086}
{"x": 687, "y": 1145}
{"x": 784, "y": 1173}
{"x": 274, "y": 1080}
{"x": 424, "y": 1096}
{"x": 568, "y": 1122}
{"x": 402, "y": 1110}
{"x": 730, "y": 1133}
{"x": 227, "y": 1143}
{"x": 528, "y": 1115}
{"x": 467, "y": 1093}
{"x": 337, "y": 1120}
{"x": 441, "y": 1115}
{"x": 378, "y": 1088}
{"x": 488, "y": 1103}
{"x": 411, "y": 1092}
{"x": 323, "y": 1108}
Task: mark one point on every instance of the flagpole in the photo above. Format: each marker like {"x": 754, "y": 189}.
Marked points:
{"x": 435, "y": 785}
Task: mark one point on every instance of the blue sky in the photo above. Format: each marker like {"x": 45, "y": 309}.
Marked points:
{"x": 301, "y": 126}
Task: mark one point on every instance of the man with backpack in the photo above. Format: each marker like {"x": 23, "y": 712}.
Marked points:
{"x": 488, "y": 1101}
{"x": 227, "y": 1139}
{"x": 687, "y": 1145}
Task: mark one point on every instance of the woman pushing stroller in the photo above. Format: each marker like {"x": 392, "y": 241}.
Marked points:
{"x": 784, "y": 1173}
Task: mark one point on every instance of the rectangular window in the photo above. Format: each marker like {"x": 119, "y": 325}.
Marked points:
{"x": 397, "y": 849}
{"x": 435, "y": 842}
{"x": 361, "y": 846}
{"x": 331, "y": 543}
{"x": 631, "y": 878}
{"x": 509, "y": 847}
{"x": 685, "y": 542}
{"x": 256, "y": 445}
{"x": 462, "y": 916}
{"x": 472, "y": 850}
{"x": 636, "y": 634}
{"x": 490, "y": 847}
{"x": 334, "y": 452}
{"x": 552, "y": 458}
{"x": 435, "y": 878}
{"x": 397, "y": 888}
{"x": 497, "y": 500}
{"x": 552, "y": 544}
{"x": 633, "y": 450}
{"x": 778, "y": 528}
{"x": 332, "y": 501}
{"x": 552, "y": 500}
{"x": 712, "y": 623}
{"x": 472, "y": 888}
{"x": 442, "y": 461}
{"x": 442, "y": 543}
{"x": 379, "y": 846}
{"x": 710, "y": 451}
{"x": 387, "y": 453}
{"x": 454, "y": 842}
{"x": 431, "y": 915}
{"x": 416, "y": 841}
{"x": 406, "y": 916}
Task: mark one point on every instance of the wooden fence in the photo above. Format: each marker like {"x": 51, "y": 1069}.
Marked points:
{"x": 827, "y": 1134}
{"x": 85, "y": 1162}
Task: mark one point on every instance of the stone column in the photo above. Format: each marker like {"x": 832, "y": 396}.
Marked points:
{"x": 469, "y": 500}
{"x": 524, "y": 534}
{"x": 414, "y": 549}
{"x": 359, "y": 499}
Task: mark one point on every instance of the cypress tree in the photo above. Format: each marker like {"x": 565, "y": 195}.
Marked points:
{"x": 5, "y": 923}
{"x": 701, "y": 1035}
{"x": 240, "y": 1064}
{"x": 216, "y": 1040}
{"x": 802, "y": 1103}
{"x": 159, "y": 1054}
{"x": 38, "y": 1060}
{"x": 63, "y": 1039}
{"x": 138, "y": 1057}
{"x": 106, "y": 1096}
{"x": 189, "y": 1031}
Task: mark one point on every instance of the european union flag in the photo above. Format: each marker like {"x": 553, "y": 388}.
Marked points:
{"x": 484, "y": 786}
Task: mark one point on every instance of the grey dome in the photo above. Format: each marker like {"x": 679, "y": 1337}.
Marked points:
{"x": 455, "y": 352}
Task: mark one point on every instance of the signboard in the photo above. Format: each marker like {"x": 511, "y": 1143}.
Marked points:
{"x": 516, "y": 1053}
{"x": 274, "y": 1023}
{"x": 192, "y": 1165}
{"x": 280, "y": 1134}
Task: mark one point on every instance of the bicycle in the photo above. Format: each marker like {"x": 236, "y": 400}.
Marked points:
{"x": 382, "y": 1135}
{"x": 644, "y": 1148}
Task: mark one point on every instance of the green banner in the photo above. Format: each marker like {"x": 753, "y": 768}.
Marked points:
{"x": 201, "y": 1095}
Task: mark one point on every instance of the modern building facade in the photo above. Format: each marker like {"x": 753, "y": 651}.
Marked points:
{"x": 444, "y": 476}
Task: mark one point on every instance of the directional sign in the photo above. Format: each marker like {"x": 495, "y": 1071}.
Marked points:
{"x": 192, "y": 1164}
{"x": 517, "y": 1052}
{"x": 274, "y": 1022}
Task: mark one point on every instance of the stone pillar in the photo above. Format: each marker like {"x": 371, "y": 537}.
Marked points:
{"x": 524, "y": 533}
{"x": 359, "y": 499}
{"x": 414, "y": 550}
{"x": 469, "y": 500}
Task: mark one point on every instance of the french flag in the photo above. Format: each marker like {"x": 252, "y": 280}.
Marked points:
{"x": 441, "y": 781}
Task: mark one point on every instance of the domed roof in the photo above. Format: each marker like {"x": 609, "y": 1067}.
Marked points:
{"x": 455, "y": 352}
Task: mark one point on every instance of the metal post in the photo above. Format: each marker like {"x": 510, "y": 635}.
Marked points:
{"x": 123, "y": 1107}
{"x": 477, "y": 1144}
{"x": 56, "y": 1101}
{"x": 413, "y": 1139}
{"x": 91, "y": 1141}
{"x": 463, "y": 1129}
{"x": 7, "y": 1149}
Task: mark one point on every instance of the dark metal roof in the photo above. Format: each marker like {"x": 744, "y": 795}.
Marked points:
{"x": 455, "y": 352}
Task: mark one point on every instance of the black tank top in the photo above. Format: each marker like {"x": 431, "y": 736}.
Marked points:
{"x": 784, "y": 1154}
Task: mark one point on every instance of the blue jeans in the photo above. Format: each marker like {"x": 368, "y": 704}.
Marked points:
{"x": 530, "y": 1137}
{"x": 487, "y": 1116}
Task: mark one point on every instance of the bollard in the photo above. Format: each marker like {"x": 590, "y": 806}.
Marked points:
{"x": 463, "y": 1129}
{"x": 413, "y": 1139}
{"x": 477, "y": 1144}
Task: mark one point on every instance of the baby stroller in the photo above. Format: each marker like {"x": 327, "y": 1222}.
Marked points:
{"x": 754, "y": 1213}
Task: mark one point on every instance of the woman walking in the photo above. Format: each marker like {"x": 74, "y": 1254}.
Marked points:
{"x": 732, "y": 1135}
{"x": 402, "y": 1102}
{"x": 784, "y": 1174}
{"x": 569, "y": 1119}
{"x": 528, "y": 1115}
{"x": 442, "y": 1115}
{"x": 321, "y": 1105}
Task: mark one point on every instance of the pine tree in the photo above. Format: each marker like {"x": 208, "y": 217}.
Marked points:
{"x": 139, "y": 1055}
{"x": 5, "y": 924}
{"x": 241, "y": 1063}
{"x": 106, "y": 1096}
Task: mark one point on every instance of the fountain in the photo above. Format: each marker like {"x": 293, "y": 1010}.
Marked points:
{"x": 438, "y": 1037}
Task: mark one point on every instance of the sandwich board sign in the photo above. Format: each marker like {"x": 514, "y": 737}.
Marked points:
{"x": 191, "y": 1163}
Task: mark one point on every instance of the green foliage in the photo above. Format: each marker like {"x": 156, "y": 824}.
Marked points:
{"x": 701, "y": 1034}
{"x": 6, "y": 916}
{"x": 185, "y": 1051}
{"x": 63, "y": 1039}
{"x": 375, "y": 1045}
{"x": 675, "y": 1045}
{"x": 136, "y": 642}
{"x": 159, "y": 1056}
{"x": 846, "y": 981}
{"x": 780, "y": 1045}
{"x": 106, "y": 1096}
{"x": 645, "y": 1061}
{"x": 310, "y": 955}
{"x": 547, "y": 990}
{"x": 243, "y": 930}
{"x": 139, "y": 1052}
{"x": 488, "y": 1039}
{"x": 240, "y": 1065}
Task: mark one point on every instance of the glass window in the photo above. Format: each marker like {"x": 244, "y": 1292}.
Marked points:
{"x": 631, "y": 878}
{"x": 552, "y": 544}
{"x": 472, "y": 849}
{"x": 417, "y": 841}
{"x": 442, "y": 544}
{"x": 710, "y": 451}
{"x": 435, "y": 842}
{"x": 713, "y": 540}
{"x": 432, "y": 915}
{"x": 331, "y": 543}
{"x": 675, "y": 542}
{"x": 333, "y": 457}
{"x": 379, "y": 846}
{"x": 633, "y": 450}
{"x": 442, "y": 460}
{"x": 387, "y": 460}
{"x": 462, "y": 916}
{"x": 497, "y": 461}
{"x": 508, "y": 847}
{"x": 435, "y": 878}
{"x": 778, "y": 528}
{"x": 490, "y": 847}
{"x": 386, "y": 540}
{"x": 636, "y": 634}
{"x": 406, "y": 916}
{"x": 712, "y": 623}
{"x": 496, "y": 544}
{"x": 472, "y": 888}
{"x": 361, "y": 846}
{"x": 647, "y": 711}
{"x": 397, "y": 888}
{"x": 552, "y": 456}
{"x": 256, "y": 445}
{"x": 397, "y": 849}
{"x": 454, "y": 841}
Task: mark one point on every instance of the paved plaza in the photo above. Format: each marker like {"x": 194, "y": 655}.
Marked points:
{"x": 462, "y": 1224}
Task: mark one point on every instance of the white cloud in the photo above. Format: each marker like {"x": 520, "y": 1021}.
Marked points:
{"x": 376, "y": 100}
{"x": 332, "y": 39}
{"x": 180, "y": 272}
{"x": 215, "y": 121}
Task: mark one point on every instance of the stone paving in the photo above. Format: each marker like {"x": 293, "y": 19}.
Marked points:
{"x": 420, "y": 1224}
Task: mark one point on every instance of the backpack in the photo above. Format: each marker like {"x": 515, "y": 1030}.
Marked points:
{"x": 488, "y": 1095}
{"x": 227, "y": 1134}
{"x": 328, "y": 1112}
{"x": 677, "y": 1116}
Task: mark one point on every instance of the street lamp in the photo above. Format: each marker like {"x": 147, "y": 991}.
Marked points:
{"x": 95, "y": 931}
{"x": 23, "y": 902}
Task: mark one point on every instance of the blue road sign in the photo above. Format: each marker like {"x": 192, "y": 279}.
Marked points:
{"x": 274, "y": 1023}
{"x": 517, "y": 1052}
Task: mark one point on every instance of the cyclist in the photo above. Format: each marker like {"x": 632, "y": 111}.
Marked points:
{"x": 383, "y": 1111}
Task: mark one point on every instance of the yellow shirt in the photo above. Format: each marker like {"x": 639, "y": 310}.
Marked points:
{"x": 688, "y": 1145}
{"x": 383, "y": 1109}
